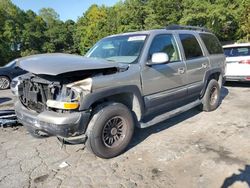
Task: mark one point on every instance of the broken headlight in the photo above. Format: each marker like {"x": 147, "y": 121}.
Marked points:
{"x": 14, "y": 86}
{"x": 69, "y": 99}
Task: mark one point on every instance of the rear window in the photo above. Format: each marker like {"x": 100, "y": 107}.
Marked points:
{"x": 191, "y": 46}
{"x": 212, "y": 43}
{"x": 237, "y": 51}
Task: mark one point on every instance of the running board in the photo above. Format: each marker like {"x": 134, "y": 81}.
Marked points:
{"x": 169, "y": 114}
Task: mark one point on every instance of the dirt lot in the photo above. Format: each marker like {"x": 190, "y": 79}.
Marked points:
{"x": 195, "y": 149}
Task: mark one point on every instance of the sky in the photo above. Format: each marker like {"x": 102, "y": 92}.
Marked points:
{"x": 67, "y": 9}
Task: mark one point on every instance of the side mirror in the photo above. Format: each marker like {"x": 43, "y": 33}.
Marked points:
{"x": 158, "y": 58}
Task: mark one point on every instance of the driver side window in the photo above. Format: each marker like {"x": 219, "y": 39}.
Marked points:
{"x": 165, "y": 43}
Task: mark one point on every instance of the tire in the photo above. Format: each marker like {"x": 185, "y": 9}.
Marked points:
{"x": 110, "y": 130}
{"x": 4, "y": 82}
{"x": 211, "y": 98}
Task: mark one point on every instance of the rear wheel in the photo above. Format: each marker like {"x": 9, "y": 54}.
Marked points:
{"x": 211, "y": 99}
{"x": 4, "y": 82}
{"x": 110, "y": 130}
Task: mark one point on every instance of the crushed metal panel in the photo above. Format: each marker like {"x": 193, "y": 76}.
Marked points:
{"x": 85, "y": 84}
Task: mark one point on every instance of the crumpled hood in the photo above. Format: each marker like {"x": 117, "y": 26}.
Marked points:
{"x": 57, "y": 63}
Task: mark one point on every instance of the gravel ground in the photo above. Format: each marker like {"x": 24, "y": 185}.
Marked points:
{"x": 195, "y": 149}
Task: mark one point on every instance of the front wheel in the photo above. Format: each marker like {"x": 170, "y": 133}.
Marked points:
{"x": 211, "y": 98}
{"x": 110, "y": 130}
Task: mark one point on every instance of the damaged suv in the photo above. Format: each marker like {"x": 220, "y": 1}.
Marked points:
{"x": 124, "y": 81}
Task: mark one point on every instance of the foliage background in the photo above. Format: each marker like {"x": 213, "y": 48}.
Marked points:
{"x": 26, "y": 33}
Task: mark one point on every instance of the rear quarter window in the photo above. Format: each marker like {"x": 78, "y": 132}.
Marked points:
{"x": 191, "y": 46}
{"x": 212, "y": 43}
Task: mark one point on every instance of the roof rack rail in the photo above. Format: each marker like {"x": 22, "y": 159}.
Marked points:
{"x": 186, "y": 27}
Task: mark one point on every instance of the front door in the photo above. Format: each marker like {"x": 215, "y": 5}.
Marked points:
{"x": 164, "y": 84}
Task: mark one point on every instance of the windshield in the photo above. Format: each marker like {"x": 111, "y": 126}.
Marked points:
{"x": 237, "y": 51}
{"x": 10, "y": 64}
{"x": 122, "y": 49}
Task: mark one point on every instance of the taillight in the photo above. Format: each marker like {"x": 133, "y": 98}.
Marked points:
{"x": 246, "y": 61}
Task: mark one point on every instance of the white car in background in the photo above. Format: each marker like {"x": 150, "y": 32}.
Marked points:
{"x": 238, "y": 62}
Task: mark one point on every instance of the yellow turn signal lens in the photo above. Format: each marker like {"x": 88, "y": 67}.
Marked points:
{"x": 71, "y": 105}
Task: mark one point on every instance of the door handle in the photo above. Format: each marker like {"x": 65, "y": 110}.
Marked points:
{"x": 204, "y": 65}
{"x": 181, "y": 70}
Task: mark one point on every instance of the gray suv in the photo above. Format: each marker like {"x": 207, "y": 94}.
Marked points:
{"x": 125, "y": 81}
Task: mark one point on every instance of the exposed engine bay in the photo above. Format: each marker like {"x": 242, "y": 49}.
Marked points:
{"x": 57, "y": 82}
{"x": 45, "y": 92}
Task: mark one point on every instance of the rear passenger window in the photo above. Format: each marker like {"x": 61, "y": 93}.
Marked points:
{"x": 165, "y": 43}
{"x": 191, "y": 46}
{"x": 212, "y": 43}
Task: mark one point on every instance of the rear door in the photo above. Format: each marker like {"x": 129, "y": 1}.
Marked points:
{"x": 196, "y": 61}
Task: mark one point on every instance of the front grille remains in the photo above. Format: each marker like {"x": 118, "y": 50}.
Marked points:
{"x": 34, "y": 92}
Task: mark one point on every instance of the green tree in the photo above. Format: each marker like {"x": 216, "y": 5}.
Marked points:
{"x": 195, "y": 12}
{"x": 243, "y": 18}
{"x": 131, "y": 15}
{"x": 58, "y": 36}
{"x": 49, "y": 15}
{"x": 90, "y": 27}
{"x": 11, "y": 19}
{"x": 70, "y": 46}
{"x": 33, "y": 34}
{"x": 161, "y": 13}
{"x": 24, "y": 33}
{"x": 218, "y": 16}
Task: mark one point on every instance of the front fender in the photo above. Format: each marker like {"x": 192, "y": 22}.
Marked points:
{"x": 88, "y": 100}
